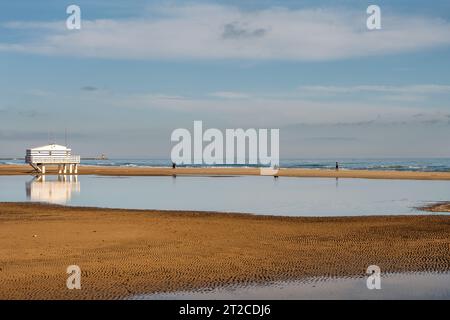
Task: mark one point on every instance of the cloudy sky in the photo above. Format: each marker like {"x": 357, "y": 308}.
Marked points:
{"x": 137, "y": 70}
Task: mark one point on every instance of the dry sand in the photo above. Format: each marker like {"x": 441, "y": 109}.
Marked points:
{"x": 161, "y": 171}
{"x": 125, "y": 252}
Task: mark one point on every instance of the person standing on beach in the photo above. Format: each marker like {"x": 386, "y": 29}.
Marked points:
{"x": 337, "y": 166}
{"x": 174, "y": 166}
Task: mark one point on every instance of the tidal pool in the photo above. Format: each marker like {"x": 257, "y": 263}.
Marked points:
{"x": 435, "y": 286}
{"x": 247, "y": 194}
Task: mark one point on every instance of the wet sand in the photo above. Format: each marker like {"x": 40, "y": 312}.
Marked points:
{"x": 128, "y": 252}
{"x": 287, "y": 172}
{"x": 438, "y": 207}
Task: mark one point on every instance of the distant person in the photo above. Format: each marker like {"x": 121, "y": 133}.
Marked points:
{"x": 174, "y": 166}
{"x": 337, "y": 166}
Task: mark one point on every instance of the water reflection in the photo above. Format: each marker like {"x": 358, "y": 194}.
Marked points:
{"x": 259, "y": 195}
{"x": 57, "y": 191}
{"x": 431, "y": 285}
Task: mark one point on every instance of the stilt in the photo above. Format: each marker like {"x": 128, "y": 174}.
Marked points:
{"x": 75, "y": 168}
{"x": 64, "y": 168}
{"x": 35, "y": 167}
{"x": 43, "y": 169}
{"x": 70, "y": 168}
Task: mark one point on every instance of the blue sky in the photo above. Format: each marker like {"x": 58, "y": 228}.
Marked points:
{"x": 139, "y": 69}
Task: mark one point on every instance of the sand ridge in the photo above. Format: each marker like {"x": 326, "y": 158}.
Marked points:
{"x": 438, "y": 207}
{"x": 125, "y": 252}
{"x": 283, "y": 172}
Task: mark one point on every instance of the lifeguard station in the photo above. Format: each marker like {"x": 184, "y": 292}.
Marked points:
{"x": 52, "y": 154}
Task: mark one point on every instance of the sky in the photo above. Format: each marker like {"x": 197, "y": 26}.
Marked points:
{"x": 137, "y": 70}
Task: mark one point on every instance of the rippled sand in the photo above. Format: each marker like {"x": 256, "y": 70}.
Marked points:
{"x": 127, "y": 252}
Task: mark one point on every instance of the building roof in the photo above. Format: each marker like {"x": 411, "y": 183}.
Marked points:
{"x": 51, "y": 147}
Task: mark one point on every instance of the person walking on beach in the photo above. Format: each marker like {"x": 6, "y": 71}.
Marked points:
{"x": 174, "y": 165}
{"x": 337, "y": 166}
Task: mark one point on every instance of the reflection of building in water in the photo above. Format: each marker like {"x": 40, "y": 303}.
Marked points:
{"x": 53, "y": 191}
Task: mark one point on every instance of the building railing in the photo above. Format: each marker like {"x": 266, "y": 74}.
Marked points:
{"x": 52, "y": 159}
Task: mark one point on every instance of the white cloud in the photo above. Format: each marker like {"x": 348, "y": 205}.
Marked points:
{"x": 405, "y": 94}
{"x": 230, "y": 95}
{"x": 270, "y": 112}
{"x": 223, "y": 32}
{"x": 412, "y": 89}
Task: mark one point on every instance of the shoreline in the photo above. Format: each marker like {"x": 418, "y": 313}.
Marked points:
{"x": 283, "y": 172}
{"x": 129, "y": 252}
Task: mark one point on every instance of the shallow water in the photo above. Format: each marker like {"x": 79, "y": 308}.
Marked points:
{"x": 393, "y": 286}
{"x": 251, "y": 194}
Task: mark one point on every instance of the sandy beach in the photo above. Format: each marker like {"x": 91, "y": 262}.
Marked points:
{"x": 164, "y": 171}
{"x": 126, "y": 252}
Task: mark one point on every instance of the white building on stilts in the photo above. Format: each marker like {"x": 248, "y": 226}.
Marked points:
{"x": 55, "y": 155}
